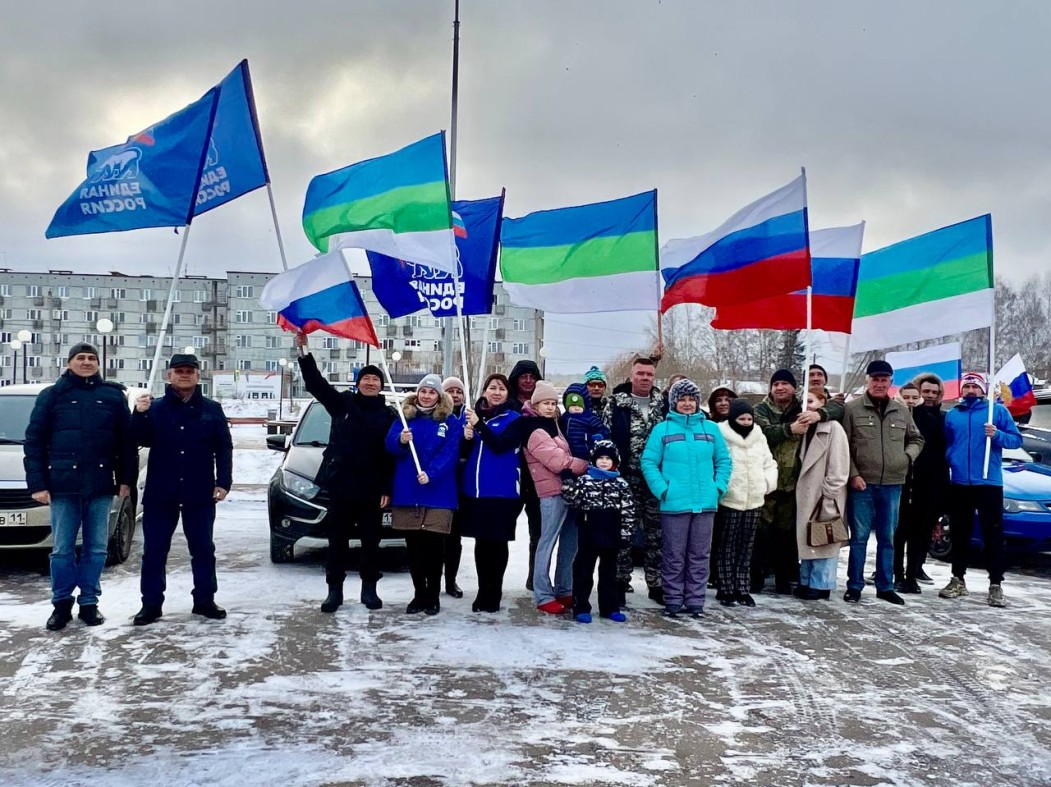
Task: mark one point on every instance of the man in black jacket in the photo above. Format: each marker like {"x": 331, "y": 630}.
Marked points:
{"x": 356, "y": 471}
{"x": 78, "y": 452}
{"x": 190, "y": 470}
{"x": 523, "y": 379}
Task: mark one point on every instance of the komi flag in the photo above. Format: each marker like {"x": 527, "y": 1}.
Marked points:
{"x": 320, "y": 296}
{"x": 397, "y": 205}
{"x": 404, "y": 287}
{"x": 149, "y": 181}
{"x": 926, "y": 287}
{"x": 235, "y": 164}
{"x": 943, "y": 360}
{"x": 759, "y": 252}
{"x": 600, "y": 257}
{"x": 1014, "y": 388}
{"x": 834, "y": 257}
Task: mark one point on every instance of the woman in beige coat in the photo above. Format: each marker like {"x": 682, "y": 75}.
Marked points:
{"x": 821, "y": 494}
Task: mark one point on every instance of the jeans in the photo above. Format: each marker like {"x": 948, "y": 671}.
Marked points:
{"x": 68, "y": 514}
{"x": 875, "y": 508}
{"x": 158, "y": 526}
{"x": 556, "y": 524}
{"x": 818, "y": 573}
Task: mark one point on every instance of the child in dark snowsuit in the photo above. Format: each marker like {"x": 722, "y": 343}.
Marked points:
{"x": 605, "y": 516}
{"x": 579, "y": 423}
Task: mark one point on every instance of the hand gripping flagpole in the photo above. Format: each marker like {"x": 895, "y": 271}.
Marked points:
{"x": 161, "y": 334}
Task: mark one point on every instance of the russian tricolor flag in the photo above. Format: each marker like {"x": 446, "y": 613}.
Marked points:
{"x": 759, "y": 252}
{"x": 943, "y": 360}
{"x": 319, "y": 296}
{"x": 835, "y": 254}
{"x": 1014, "y": 388}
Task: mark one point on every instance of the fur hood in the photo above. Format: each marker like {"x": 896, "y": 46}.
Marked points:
{"x": 441, "y": 411}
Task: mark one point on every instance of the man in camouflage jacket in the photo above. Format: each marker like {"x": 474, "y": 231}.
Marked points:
{"x": 630, "y": 414}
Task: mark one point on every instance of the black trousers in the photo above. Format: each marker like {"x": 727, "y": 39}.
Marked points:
{"x": 426, "y": 551}
{"x": 453, "y": 550}
{"x": 988, "y": 501}
{"x": 917, "y": 515}
{"x": 342, "y": 516}
{"x": 714, "y": 567}
{"x": 588, "y": 554}
{"x": 158, "y": 526}
{"x": 531, "y": 503}
{"x": 490, "y": 561}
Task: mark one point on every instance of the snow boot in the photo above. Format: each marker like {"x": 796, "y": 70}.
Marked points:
{"x": 61, "y": 616}
{"x": 147, "y": 615}
{"x": 90, "y": 614}
{"x": 334, "y": 599}
{"x": 368, "y": 595}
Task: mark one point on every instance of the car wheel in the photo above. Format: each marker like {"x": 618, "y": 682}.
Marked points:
{"x": 941, "y": 545}
{"x": 281, "y": 549}
{"x": 120, "y": 542}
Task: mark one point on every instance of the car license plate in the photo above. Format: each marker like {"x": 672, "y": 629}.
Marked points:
{"x": 12, "y": 518}
{"x": 388, "y": 520}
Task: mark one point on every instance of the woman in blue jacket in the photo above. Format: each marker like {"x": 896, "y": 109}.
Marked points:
{"x": 423, "y": 503}
{"x": 687, "y": 467}
{"x": 490, "y": 490}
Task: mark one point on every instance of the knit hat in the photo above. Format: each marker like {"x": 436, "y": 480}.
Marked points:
{"x": 740, "y": 407}
{"x": 452, "y": 382}
{"x": 572, "y": 399}
{"x": 879, "y": 367}
{"x": 594, "y": 374}
{"x": 605, "y": 448}
{"x": 818, "y": 367}
{"x": 430, "y": 381}
{"x": 369, "y": 369}
{"x": 683, "y": 388}
{"x": 543, "y": 391}
{"x": 975, "y": 378}
{"x": 82, "y": 347}
{"x": 783, "y": 376}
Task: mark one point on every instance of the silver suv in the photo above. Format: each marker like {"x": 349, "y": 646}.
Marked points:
{"x": 25, "y": 523}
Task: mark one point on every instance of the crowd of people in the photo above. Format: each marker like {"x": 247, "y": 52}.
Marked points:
{"x": 724, "y": 497}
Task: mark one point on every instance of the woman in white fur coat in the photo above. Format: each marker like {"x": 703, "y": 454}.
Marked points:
{"x": 821, "y": 494}
{"x": 754, "y": 475}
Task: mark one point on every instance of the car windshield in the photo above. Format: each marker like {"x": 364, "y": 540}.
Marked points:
{"x": 14, "y": 417}
{"x": 314, "y": 426}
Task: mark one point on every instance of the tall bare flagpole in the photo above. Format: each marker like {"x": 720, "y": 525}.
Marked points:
{"x": 447, "y": 329}
{"x": 163, "y": 332}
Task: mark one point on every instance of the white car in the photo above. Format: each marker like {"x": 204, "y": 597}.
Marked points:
{"x": 25, "y": 523}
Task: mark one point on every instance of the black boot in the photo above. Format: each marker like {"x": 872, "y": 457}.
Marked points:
{"x": 453, "y": 589}
{"x": 334, "y": 599}
{"x": 147, "y": 615}
{"x": 61, "y": 616}
{"x": 209, "y": 609}
{"x": 90, "y": 614}
{"x": 657, "y": 594}
{"x": 368, "y": 595}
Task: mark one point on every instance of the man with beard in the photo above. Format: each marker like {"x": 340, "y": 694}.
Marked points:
{"x": 923, "y": 498}
{"x": 783, "y": 422}
{"x": 630, "y": 415}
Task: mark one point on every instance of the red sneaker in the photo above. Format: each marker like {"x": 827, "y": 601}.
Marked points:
{"x": 551, "y": 608}
{"x": 565, "y": 601}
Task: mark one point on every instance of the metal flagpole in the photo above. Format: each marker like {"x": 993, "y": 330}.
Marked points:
{"x": 846, "y": 363}
{"x": 277, "y": 228}
{"x": 447, "y": 337}
{"x": 809, "y": 289}
{"x": 168, "y": 311}
{"x": 485, "y": 351}
{"x": 992, "y": 388}
{"x": 397, "y": 406}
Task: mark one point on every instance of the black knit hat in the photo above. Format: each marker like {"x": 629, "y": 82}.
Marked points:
{"x": 370, "y": 369}
{"x": 606, "y": 448}
{"x": 82, "y": 347}
{"x": 784, "y": 376}
{"x": 739, "y": 407}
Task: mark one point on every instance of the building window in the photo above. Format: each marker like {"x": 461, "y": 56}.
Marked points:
{"x": 494, "y": 323}
{"x": 412, "y": 344}
{"x": 244, "y": 365}
{"x": 118, "y": 292}
{"x": 59, "y": 314}
{"x": 200, "y": 341}
{"x": 33, "y": 314}
{"x": 200, "y": 296}
{"x": 33, "y": 360}
{"x": 386, "y": 344}
{"x": 520, "y": 348}
{"x": 383, "y": 320}
{"x": 91, "y": 292}
{"x": 178, "y": 296}
{"x": 245, "y": 291}
{"x": 33, "y": 290}
{"x": 144, "y": 295}
{"x": 120, "y": 317}
{"x": 273, "y": 342}
{"x": 145, "y": 364}
{"x": 5, "y": 337}
{"x": 519, "y": 325}
{"x": 242, "y": 341}
{"x": 271, "y": 317}
{"x": 91, "y": 317}
{"x": 330, "y": 343}
{"x": 243, "y": 316}
{"x": 5, "y": 289}
{"x": 494, "y": 347}
{"x": 63, "y": 292}
{"x": 273, "y": 366}
{"x": 175, "y": 319}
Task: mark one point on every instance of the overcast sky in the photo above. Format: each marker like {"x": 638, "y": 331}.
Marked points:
{"x": 910, "y": 115}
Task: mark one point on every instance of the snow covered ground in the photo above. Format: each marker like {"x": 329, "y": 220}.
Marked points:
{"x": 937, "y": 693}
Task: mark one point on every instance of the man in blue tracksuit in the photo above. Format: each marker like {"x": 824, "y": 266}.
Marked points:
{"x": 966, "y": 430}
{"x": 190, "y": 470}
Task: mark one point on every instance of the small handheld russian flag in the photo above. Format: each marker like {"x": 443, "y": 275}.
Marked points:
{"x": 320, "y": 296}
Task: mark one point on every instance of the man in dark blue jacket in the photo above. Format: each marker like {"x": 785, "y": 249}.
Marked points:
{"x": 78, "y": 452}
{"x": 190, "y": 470}
{"x": 966, "y": 430}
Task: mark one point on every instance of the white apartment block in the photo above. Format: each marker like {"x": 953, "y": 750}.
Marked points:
{"x": 222, "y": 320}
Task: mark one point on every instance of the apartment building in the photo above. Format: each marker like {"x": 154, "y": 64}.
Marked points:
{"x": 222, "y": 320}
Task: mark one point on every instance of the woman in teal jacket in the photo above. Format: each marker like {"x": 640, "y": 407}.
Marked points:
{"x": 687, "y": 467}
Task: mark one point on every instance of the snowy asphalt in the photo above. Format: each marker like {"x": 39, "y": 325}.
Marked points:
{"x": 938, "y": 693}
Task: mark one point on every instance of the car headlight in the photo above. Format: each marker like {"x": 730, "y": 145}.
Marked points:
{"x": 299, "y": 486}
{"x": 1012, "y": 506}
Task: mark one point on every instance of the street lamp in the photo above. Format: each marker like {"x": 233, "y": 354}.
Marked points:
{"x": 16, "y": 345}
{"x": 104, "y": 326}
{"x": 189, "y": 350}
{"x": 25, "y": 337}
{"x": 395, "y": 356}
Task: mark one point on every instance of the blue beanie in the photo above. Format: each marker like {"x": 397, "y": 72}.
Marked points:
{"x": 593, "y": 374}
